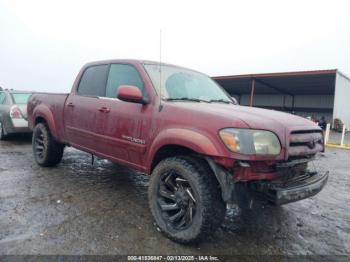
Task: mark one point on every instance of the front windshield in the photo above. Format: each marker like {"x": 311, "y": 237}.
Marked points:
{"x": 184, "y": 84}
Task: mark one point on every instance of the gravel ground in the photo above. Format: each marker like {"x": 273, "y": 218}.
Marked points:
{"x": 77, "y": 208}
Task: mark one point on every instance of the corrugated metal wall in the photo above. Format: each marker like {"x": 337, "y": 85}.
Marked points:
{"x": 314, "y": 101}
{"x": 342, "y": 99}
{"x": 301, "y": 101}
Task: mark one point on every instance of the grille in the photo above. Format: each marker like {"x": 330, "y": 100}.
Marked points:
{"x": 303, "y": 143}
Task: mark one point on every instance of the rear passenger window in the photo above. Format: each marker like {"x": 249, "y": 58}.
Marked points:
{"x": 121, "y": 74}
{"x": 93, "y": 81}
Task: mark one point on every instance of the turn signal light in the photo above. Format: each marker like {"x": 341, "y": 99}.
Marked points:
{"x": 230, "y": 140}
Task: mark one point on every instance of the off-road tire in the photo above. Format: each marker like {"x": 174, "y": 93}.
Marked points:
{"x": 3, "y": 136}
{"x": 52, "y": 151}
{"x": 210, "y": 208}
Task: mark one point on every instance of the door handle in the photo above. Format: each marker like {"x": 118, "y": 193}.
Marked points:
{"x": 104, "y": 110}
{"x": 71, "y": 104}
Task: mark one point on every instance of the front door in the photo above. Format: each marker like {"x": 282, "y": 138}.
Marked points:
{"x": 120, "y": 134}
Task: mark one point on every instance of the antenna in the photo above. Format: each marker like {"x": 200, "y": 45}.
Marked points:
{"x": 160, "y": 70}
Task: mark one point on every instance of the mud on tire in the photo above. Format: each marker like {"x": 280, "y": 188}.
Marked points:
{"x": 185, "y": 199}
{"x": 47, "y": 151}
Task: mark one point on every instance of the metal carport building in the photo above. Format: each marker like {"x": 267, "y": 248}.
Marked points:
{"x": 307, "y": 93}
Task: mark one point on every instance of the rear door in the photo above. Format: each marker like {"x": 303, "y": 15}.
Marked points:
{"x": 81, "y": 108}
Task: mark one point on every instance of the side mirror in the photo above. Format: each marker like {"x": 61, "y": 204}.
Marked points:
{"x": 130, "y": 94}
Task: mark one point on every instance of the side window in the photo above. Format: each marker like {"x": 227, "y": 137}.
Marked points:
{"x": 93, "y": 81}
{"x": 2, "y": 98}
{"x": 121, "y": 74}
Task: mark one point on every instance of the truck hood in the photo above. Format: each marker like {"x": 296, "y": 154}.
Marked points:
{"x": 255, "y": 118}
{"x": 265, "y": 119}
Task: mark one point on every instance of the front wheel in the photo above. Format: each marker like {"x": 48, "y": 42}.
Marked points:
{"x": 185, "y": 199}
{"x": 47, "y": 151}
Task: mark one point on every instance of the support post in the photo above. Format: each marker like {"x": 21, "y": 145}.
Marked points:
{"x": 252, "y": 92}
{"x": 326, "y": 135}
{"x": 342, "y": 136}
{"x": 293, "y": 98}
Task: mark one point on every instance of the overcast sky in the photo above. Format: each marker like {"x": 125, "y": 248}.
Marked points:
{"x": 43, "y": 44}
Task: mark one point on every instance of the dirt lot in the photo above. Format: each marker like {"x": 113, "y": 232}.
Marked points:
{"x": 77, "y": 208}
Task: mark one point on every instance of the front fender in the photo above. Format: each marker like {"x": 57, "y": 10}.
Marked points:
{"x": 190, "y": 139}
{"x": 45, "y": 113}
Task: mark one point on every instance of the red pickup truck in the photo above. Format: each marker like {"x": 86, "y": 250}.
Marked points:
{"x": 200, "y": 147}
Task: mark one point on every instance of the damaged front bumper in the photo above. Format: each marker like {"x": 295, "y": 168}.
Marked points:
{"x": 291, "y": 181}
{"x": 256, "y": 194}
{"x": 301, "y": 187}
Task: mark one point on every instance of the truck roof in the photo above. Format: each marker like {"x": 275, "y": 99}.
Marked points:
{"x": 108, "y": 61}
{"x": 133, "y": 61}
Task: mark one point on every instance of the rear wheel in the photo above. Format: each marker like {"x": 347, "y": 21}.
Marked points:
{"x": 185, "y": 199}
{"x": 47, "y": 151}
{"x": 2, "y": 132}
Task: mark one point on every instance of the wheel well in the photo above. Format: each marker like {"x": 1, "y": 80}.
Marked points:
{"x": 40, "y": 120}
{"x": 169, "y": 151}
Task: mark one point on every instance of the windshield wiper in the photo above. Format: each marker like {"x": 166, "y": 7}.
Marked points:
{"x": 219, "y": 101}
{"x": 186, "y": 99}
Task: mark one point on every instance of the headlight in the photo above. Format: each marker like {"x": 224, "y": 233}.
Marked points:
{"x": 250, "y": 141}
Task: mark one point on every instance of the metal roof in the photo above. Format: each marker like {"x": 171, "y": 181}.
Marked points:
{"x": 292, "y": 83}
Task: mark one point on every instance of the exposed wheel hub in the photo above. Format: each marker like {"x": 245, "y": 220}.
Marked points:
{"x": 182, "y": 198}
